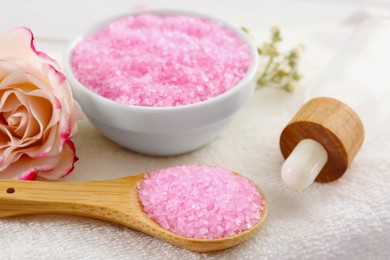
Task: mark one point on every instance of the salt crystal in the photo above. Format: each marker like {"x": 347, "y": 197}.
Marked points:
{"x": 211, "y": 211}
{"x": 161, "y": 61}
{"x": 203, "y": 231}
{"x": 220, "y": 228}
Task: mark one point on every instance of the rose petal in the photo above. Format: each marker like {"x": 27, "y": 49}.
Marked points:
{"x": 18, "y": 121}
{"x": 16, "y": 80}
{"x": 18, "y": 169}
{"x": 30, "y": 176}
{"x": 68, "y": 127}
{"x": 35, "y": 127}
{"x": 19, "y": 42}
{"x": 9, "y": 102}
{"x": 26, "y": 81}
{"x": 49, "y": 167}
{"x": 5, "y": 138}
{"x": 11, "y": 107}
{"x": 7, "y": 68}
{"x": 42, "y": 110}
{"x": 65, "y": 165}
{"x": 48, "y": 145}
{"x": 66, "y": 102}
{"x": 56, "y": 76}
{"x": 75, "y": 115}
{"x": 71, "y": 111}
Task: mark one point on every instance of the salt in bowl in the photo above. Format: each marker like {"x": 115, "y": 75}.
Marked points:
{"x": 162, "y": 131}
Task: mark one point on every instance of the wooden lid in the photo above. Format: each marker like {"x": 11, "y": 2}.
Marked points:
{"x": 331, "y": 123}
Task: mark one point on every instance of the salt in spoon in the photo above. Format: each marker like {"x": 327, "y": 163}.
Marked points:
{"x": 114, "y": 200}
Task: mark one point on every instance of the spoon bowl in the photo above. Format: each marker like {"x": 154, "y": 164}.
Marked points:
{"x": 114, "y": 200}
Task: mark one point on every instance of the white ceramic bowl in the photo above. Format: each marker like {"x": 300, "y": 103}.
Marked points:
{"x": 162, "y": 130}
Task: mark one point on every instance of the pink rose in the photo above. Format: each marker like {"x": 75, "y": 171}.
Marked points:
{"x": 38, "y": 115}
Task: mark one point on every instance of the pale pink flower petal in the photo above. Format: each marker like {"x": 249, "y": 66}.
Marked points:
{"x": 5, "y": 137}
{"x": 7, "y": 68}
{"x": 65, "y": 99}
{"x": 65, "y": 165}
{"x": 19, "y": 42}
{"x": 19, "y": 169}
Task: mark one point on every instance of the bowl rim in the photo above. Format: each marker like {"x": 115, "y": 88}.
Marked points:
{"x": 76, "y": 84}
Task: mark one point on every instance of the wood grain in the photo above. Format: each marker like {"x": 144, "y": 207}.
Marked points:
{"x": 113, "y": 200}
{"x": 331, "y": 123}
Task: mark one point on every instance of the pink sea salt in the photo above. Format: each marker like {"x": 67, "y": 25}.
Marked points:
{"x": 161, "y": 61}
{"x": 201, "y": 201}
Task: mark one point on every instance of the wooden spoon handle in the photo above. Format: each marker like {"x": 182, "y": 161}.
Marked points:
{"x": 92, "y": 199}
{"x": 26, "y": 197}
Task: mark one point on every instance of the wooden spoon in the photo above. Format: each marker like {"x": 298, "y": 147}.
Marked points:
{"x": 113, "y": 200}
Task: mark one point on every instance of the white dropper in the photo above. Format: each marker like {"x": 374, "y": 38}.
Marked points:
{"x": 304, "y": 164}
{"x": 324, "y": 136}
